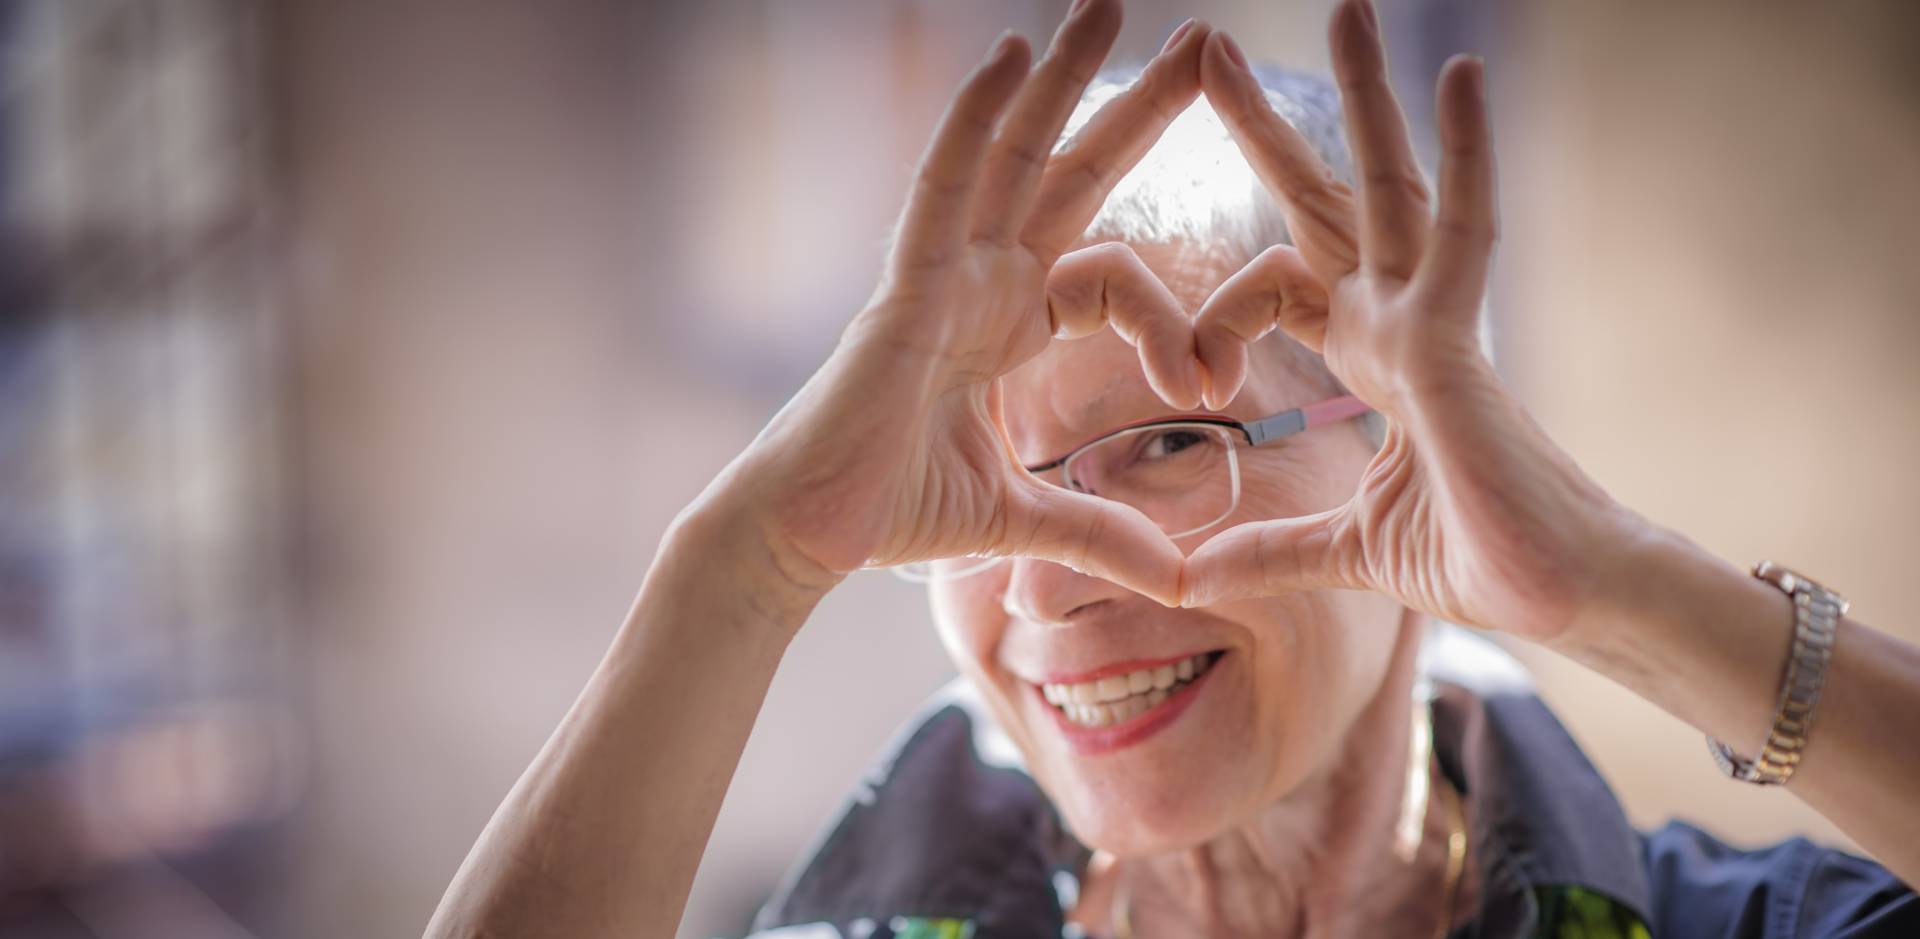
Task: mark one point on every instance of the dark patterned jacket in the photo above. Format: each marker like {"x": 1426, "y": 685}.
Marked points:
{"x": 948, "y": 838}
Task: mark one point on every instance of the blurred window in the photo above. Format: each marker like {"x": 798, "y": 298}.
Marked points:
{"x": 145, "y": 646}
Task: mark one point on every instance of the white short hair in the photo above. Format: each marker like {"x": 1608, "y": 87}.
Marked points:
{"x": 1194, "y": 185}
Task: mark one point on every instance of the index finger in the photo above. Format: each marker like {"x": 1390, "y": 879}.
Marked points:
{"x": 1018, "y": 159}
{"x": 1318, "y": 207}
{"x": 932, "y": 226}
{"x": 1079, "y": 176}
{"x": 1393, "y": 196}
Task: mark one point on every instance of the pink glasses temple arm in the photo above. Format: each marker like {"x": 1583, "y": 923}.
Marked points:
{"x": 1332, "y": 410}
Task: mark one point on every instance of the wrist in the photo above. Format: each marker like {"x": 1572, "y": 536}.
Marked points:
{"x": 718, "y": 551}
{"x": 1644, "y": 578}
{"x": 1688, "y": 631}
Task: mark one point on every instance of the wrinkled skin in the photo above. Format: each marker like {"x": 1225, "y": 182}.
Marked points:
{"x": 1300, "y": 665}
{"x": 1467, "y": 513}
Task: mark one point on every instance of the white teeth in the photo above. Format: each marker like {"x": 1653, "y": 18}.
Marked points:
{"x": 1118, "y": 698}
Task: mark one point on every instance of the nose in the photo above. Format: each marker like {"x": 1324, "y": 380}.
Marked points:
{"x": 1045, "y": 592}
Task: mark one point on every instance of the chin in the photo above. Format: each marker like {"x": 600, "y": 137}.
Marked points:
{"x": 1132, "y": 821}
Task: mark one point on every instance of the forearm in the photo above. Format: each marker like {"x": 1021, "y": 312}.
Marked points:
{"x": 603, "y": 833}
{"x": 1708, "y": 643}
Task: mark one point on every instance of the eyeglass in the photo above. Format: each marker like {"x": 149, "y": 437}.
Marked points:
{"x": 1181, "y": 472}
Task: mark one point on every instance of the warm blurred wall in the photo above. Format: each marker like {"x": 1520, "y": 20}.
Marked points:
{"x": 500, "y": 416}
{"x": 1711, "y": 299}
{"x": 540, "y": 253}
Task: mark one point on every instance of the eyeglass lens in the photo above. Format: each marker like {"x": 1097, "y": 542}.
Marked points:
{"x": 1182, "y": 476}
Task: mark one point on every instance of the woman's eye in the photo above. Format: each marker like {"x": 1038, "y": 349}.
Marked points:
{"x": 1169, "y": 442}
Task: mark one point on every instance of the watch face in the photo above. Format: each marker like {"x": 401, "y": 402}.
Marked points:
{"x": 1793, "y": 582}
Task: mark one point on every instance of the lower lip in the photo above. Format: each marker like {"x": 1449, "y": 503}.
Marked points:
{"x": 1088, "y": 741}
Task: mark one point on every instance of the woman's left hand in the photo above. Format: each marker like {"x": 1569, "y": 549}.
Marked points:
{"x": 1468, "y": 512}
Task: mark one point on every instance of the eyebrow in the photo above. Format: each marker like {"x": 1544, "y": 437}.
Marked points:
{"x": 1096, "y": 413}
{"x": 1092, "y": 419}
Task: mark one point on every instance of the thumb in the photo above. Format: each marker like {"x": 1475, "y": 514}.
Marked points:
{"x": 1107, "y": 539}
{"x": 1261, "y": 559}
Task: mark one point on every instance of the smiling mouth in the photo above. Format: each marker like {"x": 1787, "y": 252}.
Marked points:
{"x": 1119, "y": 698}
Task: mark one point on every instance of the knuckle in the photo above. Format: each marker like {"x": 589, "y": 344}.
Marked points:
{"x": 1024, "y": 153}
{"x": 1466, "y": 147}
{"x": 977, "y": 114}
{"x": 1110, "y": 263}
{"x": 1263, "y": 554}
{"x": 1095, "y": 532}
{"x": 1484, "y": 234}
{"x": 1151, "y": 92}
{"x": 1403, "y": 181}
{"x": 1065, "y": 70}
{"x": 1076, "y": 73}
{"x": 933, "y": 187}
{"x": 1077, "y": 164}
{"x": 1363, "y": 77}
{"x": 1276, "y": 259}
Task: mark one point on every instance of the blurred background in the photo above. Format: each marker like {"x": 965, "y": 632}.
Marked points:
{"x": 354, "y": 356}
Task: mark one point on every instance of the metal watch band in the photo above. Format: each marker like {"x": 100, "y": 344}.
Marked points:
{"x": 1816, "y": 620}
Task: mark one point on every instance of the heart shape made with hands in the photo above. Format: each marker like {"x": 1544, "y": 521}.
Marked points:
{"x": 1189, "y": 361}
{"x": 1464, "y": 499}
{"x": 1383, "y": 283}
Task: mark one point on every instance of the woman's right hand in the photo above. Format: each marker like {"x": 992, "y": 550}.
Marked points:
{"x": 895, "y": 450}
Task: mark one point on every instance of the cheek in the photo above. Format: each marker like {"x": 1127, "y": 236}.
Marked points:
{"x": 1318, "y": 659}
{"x": 1289, "y": 483}
{"x": 968, "y": 617}
{"x": 1325, "y": 651}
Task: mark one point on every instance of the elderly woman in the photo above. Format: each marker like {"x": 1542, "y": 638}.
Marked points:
{"x": 1188, "y": 570}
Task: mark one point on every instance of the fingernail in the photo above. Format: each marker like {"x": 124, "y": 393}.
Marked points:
{"x": 1372, "y": 15}
{"x": 1233, "y": 51}
{"x": 1000, "y": 47}
{"x": 1077, "y": 6}
{"x": 1181, "y": 30}
{"x": 1479, "y": 76}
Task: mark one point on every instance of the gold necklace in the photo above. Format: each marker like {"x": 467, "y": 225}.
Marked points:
{"x": 1456, "y": 858}
{"x": 1122, "y": 908}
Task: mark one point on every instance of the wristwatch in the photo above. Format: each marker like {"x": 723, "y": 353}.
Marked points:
{"x": 1816, "y": 621}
